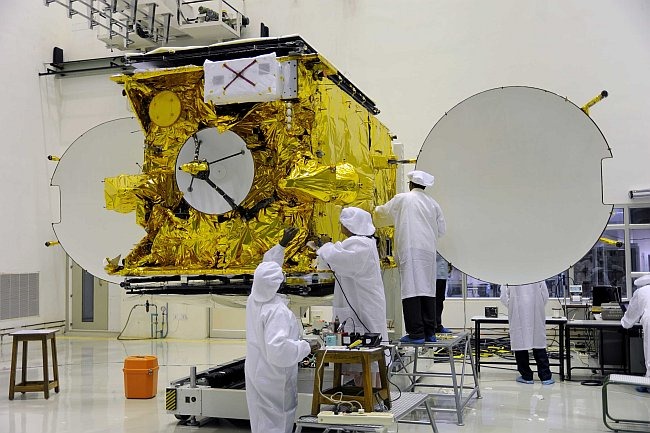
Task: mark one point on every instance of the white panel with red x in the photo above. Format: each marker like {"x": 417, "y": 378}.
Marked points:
{"x": 254, "y": 79}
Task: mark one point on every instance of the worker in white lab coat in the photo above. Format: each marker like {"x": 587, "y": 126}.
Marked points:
{"x": 273, "y": 348}
{"x": 639, "y": 311}
{"x": 419, "y": 222}
{"x": 527, "y": 323}
{"x": 359, "y": 301}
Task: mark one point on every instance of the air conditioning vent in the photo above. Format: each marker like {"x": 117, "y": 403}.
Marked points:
{"x": 19, "y": 295}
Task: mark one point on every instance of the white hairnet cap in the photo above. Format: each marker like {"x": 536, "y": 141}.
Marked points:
{"x": 420, "y": 177}
{"x": 642, "y": 281}
{"x": 266, "y": 281}
{"x": 358, "y": 221}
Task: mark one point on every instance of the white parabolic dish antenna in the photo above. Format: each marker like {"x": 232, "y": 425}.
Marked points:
{"x": 87, "y": 231}
{"x": 518, "y": 177}
{"x": 229, "y": 178}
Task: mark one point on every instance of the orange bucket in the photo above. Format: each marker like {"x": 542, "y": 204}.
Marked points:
{"x": 140, "y": 376}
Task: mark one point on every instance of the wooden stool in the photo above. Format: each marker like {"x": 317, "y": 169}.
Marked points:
{"x": 34, "y": 385}
{"x": 363, "y": 395}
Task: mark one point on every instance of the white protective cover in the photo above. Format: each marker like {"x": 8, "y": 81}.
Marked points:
{"x": 252, "y": 79}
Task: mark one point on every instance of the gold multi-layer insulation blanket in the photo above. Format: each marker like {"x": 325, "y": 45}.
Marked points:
{"x": 313, "y": 155}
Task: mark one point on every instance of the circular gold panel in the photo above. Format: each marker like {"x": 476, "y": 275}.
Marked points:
{"x": 165, "y": 108}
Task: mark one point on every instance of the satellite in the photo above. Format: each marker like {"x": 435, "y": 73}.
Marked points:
{"x": 230, "y": 144}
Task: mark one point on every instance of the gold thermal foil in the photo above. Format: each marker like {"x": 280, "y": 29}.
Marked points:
{"x": 165, "y": 108}
{"x": 195, "y": 167}
{"x": 119, "y": 192}
{"x": 310, "y": 181}
{"x": 312, "y": 155}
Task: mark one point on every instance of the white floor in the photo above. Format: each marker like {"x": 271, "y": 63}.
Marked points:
{"x": 92, "y": 395}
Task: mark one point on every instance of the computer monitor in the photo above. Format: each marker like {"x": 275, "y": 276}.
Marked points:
{"x": 604, "y": 294}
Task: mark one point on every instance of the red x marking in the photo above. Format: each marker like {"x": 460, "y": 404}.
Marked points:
{"x": 239, "y": 74}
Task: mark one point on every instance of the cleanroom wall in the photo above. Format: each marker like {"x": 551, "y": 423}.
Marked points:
{"x": 38, "y": 120}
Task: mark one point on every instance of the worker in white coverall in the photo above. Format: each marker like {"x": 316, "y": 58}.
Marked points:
{"x": 273, "y": 348}
{"x": 419, "y": 222}
{"x": 359, "y": 301}
{"x": 527, "y": 323}
{"x": 639, "y": 311}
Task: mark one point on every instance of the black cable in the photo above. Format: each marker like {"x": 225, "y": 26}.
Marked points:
{"x": 553, "y": 340}
{"x": 337, "y": 408}
{"x": 354, "y": 324}
{"x": 127, "y": 322}
{"x": 388, "y": 367}
{"x": 346, "y": 300}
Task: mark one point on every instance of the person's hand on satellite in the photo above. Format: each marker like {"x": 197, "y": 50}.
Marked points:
{"x": 322, "y": 240}
{"x": 289, "y": 234}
